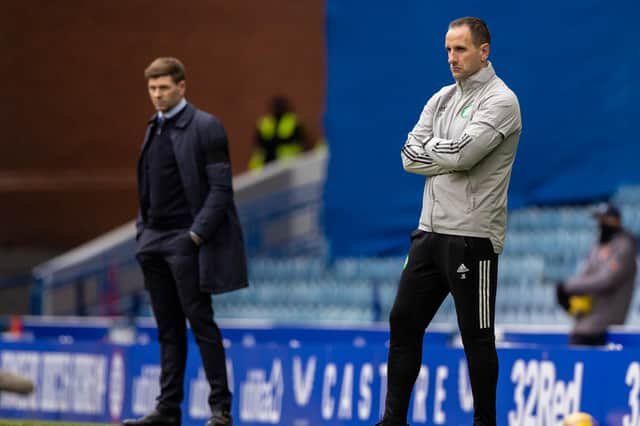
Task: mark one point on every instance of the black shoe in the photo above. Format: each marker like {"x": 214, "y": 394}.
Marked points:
{"x": 155, "y": 418}
{"x": 220, "y": 418}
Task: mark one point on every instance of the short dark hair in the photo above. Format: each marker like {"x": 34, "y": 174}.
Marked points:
{"x": 479, "y": 30}
{"x": 165, "y": 66}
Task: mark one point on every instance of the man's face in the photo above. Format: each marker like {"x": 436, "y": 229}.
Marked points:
{"x": 165, "y": 93}
{"x": 465, "y": 58}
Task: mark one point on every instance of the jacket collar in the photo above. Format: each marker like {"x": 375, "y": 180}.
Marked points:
{"x": 183, "y": 119}
{"x": 177, "y": 109}
{"x": 478, "y": 79}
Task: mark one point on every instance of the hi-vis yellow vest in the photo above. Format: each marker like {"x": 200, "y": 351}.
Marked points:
{"x": 283, "y": 130}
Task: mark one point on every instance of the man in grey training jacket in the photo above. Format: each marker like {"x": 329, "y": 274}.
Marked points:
{"x": 465, "y": 143}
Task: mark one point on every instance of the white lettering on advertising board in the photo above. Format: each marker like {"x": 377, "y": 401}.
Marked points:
{"x": 261, "y": 399}
{"x": 116, "y": 386}
{"x": 26, "y": 364}
{"x": 632, "y": 379}
{"x": 465, "y": 395}
{"x": 65, "y": 382}
{"x": 146, "y": 387}
{"x": 303, "y": 381}
{"x": 547, "y": 399}
{"x": 364, "y": 404}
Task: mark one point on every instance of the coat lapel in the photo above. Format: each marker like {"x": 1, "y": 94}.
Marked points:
{"x": 186, "y": 116}
{"x": 147, "y": 135}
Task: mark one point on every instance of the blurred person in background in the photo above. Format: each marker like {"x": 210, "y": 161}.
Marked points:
{"x": 279, "y": 134}
{"x": 601, "y": 293}
{"x": 189, "y": 240}
{"x": 465, "y": 143}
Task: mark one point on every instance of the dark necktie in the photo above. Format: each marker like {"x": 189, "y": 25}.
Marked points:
{"x": 159, "y": 123}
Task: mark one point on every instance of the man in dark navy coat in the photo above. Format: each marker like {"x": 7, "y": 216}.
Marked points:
{"x": 190, "y": 242}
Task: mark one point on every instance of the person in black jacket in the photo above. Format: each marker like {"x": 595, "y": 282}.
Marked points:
{"x": 190, "y": 242}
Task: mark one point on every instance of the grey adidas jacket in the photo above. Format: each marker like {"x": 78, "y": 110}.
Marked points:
{"x": 608, "y": 277}
{"x": 465, "y": 142}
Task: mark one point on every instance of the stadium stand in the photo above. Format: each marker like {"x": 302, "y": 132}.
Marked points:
{"x": 544, "y": 244}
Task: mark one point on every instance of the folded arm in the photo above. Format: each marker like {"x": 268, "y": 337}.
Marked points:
{"x": 415, "y": 159}
{"x": 496, "y": 118}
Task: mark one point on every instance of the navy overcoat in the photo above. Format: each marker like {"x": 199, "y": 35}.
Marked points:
{"x": 202, "y": 154}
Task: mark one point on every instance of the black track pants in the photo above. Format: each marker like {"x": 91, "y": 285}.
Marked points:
{"x": 438, "y": 265}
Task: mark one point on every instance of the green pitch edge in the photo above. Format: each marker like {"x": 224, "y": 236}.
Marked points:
{"x": 12, "y": 422}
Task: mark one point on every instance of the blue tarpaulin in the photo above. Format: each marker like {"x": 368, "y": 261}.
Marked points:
{"x": 570, "y": 63}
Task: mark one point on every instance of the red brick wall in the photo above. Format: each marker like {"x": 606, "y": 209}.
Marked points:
{"x": 74, "y": 102}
